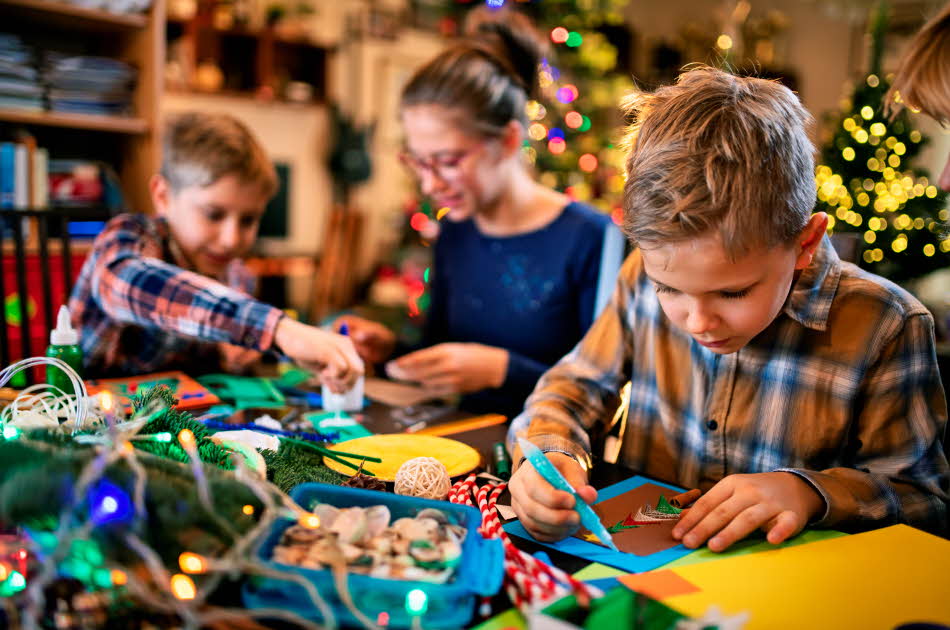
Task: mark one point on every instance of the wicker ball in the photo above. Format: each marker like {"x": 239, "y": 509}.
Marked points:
{"x": 424, "y": 477}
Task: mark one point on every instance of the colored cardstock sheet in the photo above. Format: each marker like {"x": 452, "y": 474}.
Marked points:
{"x": 877, "y": 579}
{"x": 754, "y": 544}
{"x": 658, "y": 584}
{"x": 190, "y": 393}
{"x": 641, "y": 540}
{"x": 598, "y": 553}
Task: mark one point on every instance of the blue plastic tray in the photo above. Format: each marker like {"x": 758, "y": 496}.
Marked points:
{"x": 450, "y": 605}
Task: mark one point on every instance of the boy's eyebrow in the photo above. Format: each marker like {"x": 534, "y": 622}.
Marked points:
{"x": 719, "y": 290}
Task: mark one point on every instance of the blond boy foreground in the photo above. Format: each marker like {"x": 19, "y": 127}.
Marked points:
{"x": 791, "y": 387}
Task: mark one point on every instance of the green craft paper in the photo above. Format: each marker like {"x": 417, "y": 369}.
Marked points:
{"x": 342, "y": 423}
{"x": 294, "y": 377}
{"x": 619, "y": 608}
{"x": 511, "y": 618}
{"x": 597, "y": 571}
{"x": 245, "y": 391}
{"x": 664, "y": 506}
{"x": 753, "y": 545}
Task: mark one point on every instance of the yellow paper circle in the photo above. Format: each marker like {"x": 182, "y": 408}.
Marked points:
{"x": 397, "y": 448}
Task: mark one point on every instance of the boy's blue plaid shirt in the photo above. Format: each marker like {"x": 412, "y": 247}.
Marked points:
{"x": 842, "y": 389}
{"x": 139, "y": 310}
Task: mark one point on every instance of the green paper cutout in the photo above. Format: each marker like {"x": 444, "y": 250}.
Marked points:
{"x": 246, "y": 391}
{"x": 663, "y": 506}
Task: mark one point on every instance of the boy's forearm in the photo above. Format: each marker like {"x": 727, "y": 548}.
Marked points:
{"x": 860, "y": 500}
{"x": 154, "y": 294}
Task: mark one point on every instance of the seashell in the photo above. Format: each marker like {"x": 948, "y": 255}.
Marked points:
{"x": 289, "y": 555}
{"x": 428, "y": 527}
{"x": 350, "y": 552}
{"x": 404, "y": 560}
{"x": 350, "y": 524}
{"x": 298, "y": 534}
{"x": 377, "y": 520}
{"x": 327, "y": 552}
{"x": 437, "y": 515}
{"x": 404, "y": 526}
{"x": 327, "y": 513}
{"x": 400, "y": 546}
{"x": 425, "y": 554}
{"x": 459, "y": 532}
{"x": 384, "y": 570}
{"x": 381, "y": 544}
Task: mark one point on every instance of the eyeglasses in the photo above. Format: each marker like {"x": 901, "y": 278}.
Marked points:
{"x": 444, "y": 165}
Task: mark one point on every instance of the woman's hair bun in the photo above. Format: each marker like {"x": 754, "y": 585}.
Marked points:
{"x": 513, "y": 39}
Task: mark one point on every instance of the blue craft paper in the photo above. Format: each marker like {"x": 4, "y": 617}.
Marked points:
{"x": 596, "y": 553}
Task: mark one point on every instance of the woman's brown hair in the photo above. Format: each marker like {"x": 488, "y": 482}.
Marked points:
{"x": 487, "y": 76}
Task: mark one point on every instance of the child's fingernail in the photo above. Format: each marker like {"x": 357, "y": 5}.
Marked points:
{"x": 690, "y": 540}
{"x": 677, "y": 533}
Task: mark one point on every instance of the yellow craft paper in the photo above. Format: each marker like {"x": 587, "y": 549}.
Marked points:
{"x": 877, "y": 579}
{"x": 397, "y": 448}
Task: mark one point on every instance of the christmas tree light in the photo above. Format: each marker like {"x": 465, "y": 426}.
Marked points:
{"x": 868, "y": 186}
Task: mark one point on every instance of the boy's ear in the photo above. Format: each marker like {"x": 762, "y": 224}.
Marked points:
{"x": 810, "y": 239}
{"x": 160, "y": 192}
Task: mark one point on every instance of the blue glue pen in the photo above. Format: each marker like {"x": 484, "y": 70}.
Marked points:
{"x": 552, "y": 475}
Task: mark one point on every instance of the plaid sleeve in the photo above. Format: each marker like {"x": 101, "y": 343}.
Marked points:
{"x": 899, "y": 472}
{"x": 580, "y": 391}
{"x": 131, "y": 284}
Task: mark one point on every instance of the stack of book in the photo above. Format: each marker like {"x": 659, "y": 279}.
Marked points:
{"x": 89, "y": 85}
{"x": 20, "y": 86}
{"x": 24, "y": 175}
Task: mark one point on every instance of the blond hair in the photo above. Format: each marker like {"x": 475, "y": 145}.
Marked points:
{"x": 199, "y": 149}
{"x": 716, "y": 152}
{"x": 923, "y": 79}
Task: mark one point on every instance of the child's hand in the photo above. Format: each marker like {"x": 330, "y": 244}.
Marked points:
{"x": 331, "y": 355}
{"x": 548, "y": 514}
{"x": 453, "y": 368}
{"x": 779, "y": 503}
{"x": 374, "y": 342}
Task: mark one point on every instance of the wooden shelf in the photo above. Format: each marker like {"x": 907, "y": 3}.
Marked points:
{"x": 72, "y": 16}
{"x": 114, "y": 124}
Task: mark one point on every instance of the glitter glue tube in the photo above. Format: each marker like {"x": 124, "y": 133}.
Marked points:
{"x": 500, "y": 461}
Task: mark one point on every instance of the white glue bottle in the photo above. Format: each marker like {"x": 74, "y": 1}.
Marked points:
{"x": 350, "y": 400}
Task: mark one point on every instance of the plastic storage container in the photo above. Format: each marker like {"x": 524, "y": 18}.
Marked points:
{"x": 450, "y": 605}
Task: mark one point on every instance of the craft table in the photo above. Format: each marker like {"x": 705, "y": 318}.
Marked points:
{"x": 774, "y": 584}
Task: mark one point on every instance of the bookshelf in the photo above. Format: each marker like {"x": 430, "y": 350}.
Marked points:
{"x": 130, "y": 144}
{"x": 254, "y": 62}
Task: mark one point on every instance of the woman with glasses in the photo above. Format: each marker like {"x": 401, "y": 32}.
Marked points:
{"x": 517, "y": 266}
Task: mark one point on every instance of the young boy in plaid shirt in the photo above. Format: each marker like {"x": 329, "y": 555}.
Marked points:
{"x": 793, "y": 388}
{"x": 171, "y": 291}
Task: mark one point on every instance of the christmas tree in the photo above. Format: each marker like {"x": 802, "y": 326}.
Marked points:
{"x": 868, "y": 186}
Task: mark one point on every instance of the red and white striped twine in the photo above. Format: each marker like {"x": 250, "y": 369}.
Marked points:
{"x": 528, "y": 581}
